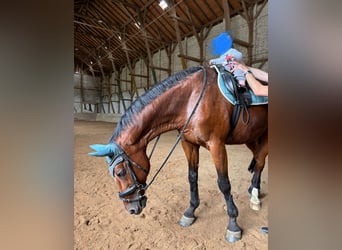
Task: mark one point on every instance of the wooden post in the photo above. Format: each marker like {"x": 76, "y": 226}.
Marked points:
{"x": 248, "y": 16}
{"x": 250, "y": 23}
{"x": 200, "y": 37}
{"x": 81, "y": 89}
{"x": 129, "y": 65}
{"x": 94, "y": 79}
{"x": 179, "y": 39}
{"x": 149, "y": 54}
{"x": 226, "y": 14}
{"x": 102, "y": 92}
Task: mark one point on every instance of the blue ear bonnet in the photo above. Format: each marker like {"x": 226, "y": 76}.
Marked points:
{"x": 111, "y": 151}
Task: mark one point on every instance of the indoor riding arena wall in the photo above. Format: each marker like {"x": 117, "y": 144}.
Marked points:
{"x": 91, "y": 95}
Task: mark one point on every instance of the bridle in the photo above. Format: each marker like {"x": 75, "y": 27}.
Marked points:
{"x": 121, "y": 156}
{"x": 141, "y": 187}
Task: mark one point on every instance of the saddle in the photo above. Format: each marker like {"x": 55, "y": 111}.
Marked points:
{"x": 227, "y": 89}
{"x": 241, "y": 94}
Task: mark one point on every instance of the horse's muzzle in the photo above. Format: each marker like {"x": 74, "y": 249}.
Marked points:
{"x": 135, "y": 206}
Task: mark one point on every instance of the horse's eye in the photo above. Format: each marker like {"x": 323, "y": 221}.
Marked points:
{"x": 121, "y": 173}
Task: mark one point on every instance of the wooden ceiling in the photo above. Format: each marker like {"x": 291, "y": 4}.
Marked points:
{"x": 108, "y": 33}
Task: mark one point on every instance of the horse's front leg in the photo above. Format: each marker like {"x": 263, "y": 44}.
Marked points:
{"x": 219, "y": 156}
{"x": 192, "y": 155}
{"x": 260, "y": 151}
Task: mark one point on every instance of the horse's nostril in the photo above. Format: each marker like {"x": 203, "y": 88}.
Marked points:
{"x": 131, "y": 211}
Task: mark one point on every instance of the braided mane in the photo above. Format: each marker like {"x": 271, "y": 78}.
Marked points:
{"x": 140, "y": 103}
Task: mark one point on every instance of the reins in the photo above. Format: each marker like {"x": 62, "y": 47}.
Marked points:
{"x": 154, "y": 146}
{"x": 121, "y": 156}
{"x": 182, "y": 131}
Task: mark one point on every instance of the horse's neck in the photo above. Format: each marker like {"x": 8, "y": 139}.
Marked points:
{"x": 161, "y": 115}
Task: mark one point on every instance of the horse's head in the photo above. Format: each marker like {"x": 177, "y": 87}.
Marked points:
{"x": 129, "y": 176}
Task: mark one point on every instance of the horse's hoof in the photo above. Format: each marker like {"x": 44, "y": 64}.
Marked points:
{"x": 233, "y": 236}
{"x": 255, "y": 205}
{"x": 264, "y": 230}
{"x": 186, "y": 221}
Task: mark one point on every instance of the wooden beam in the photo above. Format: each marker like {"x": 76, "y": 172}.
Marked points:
{"x": 160, "y": 68}
{"x": 188, "y": 12}
{"x": 86, "y": 89}
{"x": 94, "y": 26}
{"x": 178, "y": 34}
{"x": 127, "y": 3}
{"x": 121, "y": 80}
{"x": 242, "y": 43}
{"x": 150, "y": 59}
{"x": 82, "y": 89}
{"x": 181, "y": 20}
{"x": 190, "y": 58}
{"x": 137, "y": 75}
{"x": 96, "y": 20}
{"x": 226, "y": 14}
{"x": 260, "y": 9}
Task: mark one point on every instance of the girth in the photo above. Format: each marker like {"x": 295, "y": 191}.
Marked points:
{"x": 242, "y": 95}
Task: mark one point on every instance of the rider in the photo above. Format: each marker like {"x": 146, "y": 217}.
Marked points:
{"x": 232, "y": 61}
{"x": 252, "y": 74}
{"x": 227, "y": 59}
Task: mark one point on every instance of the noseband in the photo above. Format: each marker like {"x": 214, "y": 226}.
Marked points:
{"x": 121, "y": 157}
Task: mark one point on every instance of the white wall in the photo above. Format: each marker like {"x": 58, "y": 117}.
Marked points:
{"x": 90, "y": 96}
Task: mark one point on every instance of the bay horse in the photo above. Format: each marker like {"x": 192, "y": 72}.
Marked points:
{"x": 190, "y": 102}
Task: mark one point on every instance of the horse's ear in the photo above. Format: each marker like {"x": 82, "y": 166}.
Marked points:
{"x": 102, "y": 150}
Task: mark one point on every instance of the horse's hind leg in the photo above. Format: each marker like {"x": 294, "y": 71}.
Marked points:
{"x": 260, "y": 151}
{"x": 219, "y": 156}
{"x": 192, "y": 155}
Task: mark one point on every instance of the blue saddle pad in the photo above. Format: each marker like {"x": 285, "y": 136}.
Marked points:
{"x": 228, "y": 92}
